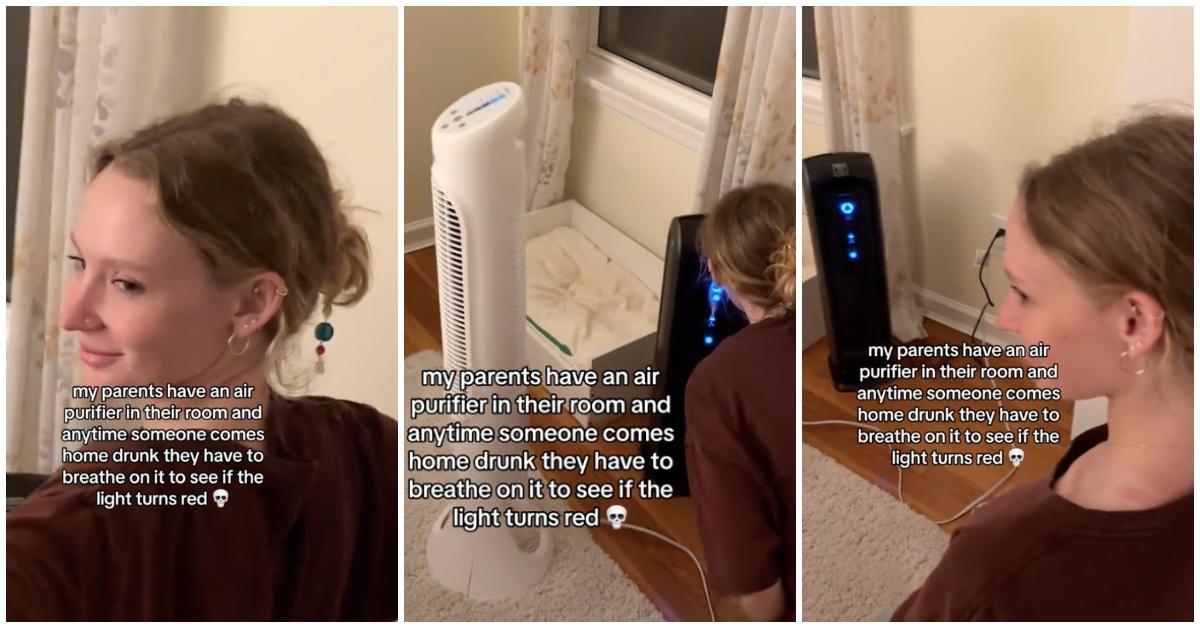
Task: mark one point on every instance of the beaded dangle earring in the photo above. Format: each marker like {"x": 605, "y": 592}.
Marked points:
{"x": 324, "y": 333}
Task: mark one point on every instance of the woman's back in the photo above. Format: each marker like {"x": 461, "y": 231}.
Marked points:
{"x": 741, "y": 456}
{"x": 316, "y": 540}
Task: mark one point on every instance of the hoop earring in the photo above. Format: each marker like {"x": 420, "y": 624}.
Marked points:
{"x": 229, "y": 342}
{"x": 282, "y": 293}
{"x": 1125, "y": 356}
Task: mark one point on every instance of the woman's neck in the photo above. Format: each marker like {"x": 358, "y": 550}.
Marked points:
{"x": 1152, "y": 412}
{"x": 247, "y": 387}
{"x": 1148, "y": 453}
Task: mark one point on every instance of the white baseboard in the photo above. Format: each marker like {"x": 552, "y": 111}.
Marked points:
{"x": 418, "y": 235}
{"x": 961, "y": 316}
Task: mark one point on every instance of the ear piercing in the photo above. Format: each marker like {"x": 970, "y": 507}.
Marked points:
{"x": 1134, "y": 311}
{"x": 282, "y": 293}
{"x": 1137, "y": 344}
{"x": 229, "y": 342}
{"x": 245, "y": 347}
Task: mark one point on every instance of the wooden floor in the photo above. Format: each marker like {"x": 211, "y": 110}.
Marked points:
{"x": 938, "y": 492}
{"x": 666, "y": 575}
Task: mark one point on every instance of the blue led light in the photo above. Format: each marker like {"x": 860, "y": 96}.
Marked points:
{"x": 853, "y": 253}
{"x": 847, "y": 207}
{"x": 714, "y": 293}
{"x": 850, "y": 237}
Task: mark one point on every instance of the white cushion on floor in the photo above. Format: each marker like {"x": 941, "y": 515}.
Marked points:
{"x": 584, "y": 299}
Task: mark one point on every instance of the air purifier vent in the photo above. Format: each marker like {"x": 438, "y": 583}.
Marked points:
{"x": 452, "y": 277}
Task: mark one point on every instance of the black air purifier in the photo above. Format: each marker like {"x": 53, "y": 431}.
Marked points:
{"x": 842, "y": 199}
{"x": 694, "y": 316}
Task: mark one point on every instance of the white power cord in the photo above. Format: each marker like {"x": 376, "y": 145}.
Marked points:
{"x": 703, "y": 581}
{"x": 900, "y": 480}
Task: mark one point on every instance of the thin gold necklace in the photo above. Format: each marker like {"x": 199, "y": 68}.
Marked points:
{"x": 1149, "y": 445}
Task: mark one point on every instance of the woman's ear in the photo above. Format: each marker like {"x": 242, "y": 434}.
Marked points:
{"x": 260, "y": 300}
{"x": 1141, "y": 321}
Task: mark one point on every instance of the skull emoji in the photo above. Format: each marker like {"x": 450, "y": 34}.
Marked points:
{"x": 616, "y": 516}
{"x": 1016, "y": 454}
{"x": 221, "y": 496}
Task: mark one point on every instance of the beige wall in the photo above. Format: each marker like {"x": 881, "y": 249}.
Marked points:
{"x": 634, "y": 178}
{"x": 813, "y": 140}
{"x": 334, "y": 69}
{"x": 1159, "y": 64}
{"x": 448, "y": 51}
{"x": 989, "y": 90}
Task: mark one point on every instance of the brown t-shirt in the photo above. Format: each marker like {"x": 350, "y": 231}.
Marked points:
{"x": 1032, "y": 555}
{"x": 317, "y": 540}
{"x": 741, "y": 459}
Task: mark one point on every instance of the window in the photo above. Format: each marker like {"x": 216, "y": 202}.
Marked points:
{"x": 17, "y": 44}
{"x": 655, "y": 65}
{"x": 682, "y": 45}
{"x": 809, "y": 51}
{"x": 813, "y": 111}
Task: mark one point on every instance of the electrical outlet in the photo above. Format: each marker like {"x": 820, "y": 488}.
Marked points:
{"x": 998, "y": 223}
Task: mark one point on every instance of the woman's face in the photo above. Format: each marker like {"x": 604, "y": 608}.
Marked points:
{"x": 146, "y": 308}
{"x": 1047, "y": 305}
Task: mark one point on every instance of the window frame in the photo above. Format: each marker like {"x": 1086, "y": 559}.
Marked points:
{"x": 663, "y": 105}
{"x": 813, "y": 102}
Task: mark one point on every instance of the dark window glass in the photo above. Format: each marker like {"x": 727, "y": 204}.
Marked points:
{"x": 809, "y": 51}
{"x": 680, "y": 43}
{"x": 17, "y": 34}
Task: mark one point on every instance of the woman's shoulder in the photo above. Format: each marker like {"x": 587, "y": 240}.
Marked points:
{"x": 313, "y": 423}
{"x": 335, "y": 410}
{"x": 331, "y": 408}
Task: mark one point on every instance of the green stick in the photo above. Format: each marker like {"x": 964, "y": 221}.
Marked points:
{"x": 554, "y": 341}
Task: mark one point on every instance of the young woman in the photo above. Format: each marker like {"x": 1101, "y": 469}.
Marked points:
{"x": 741, "y": 406}
{"x": 203, "y": 243}
{"x": 1099, "y": 255}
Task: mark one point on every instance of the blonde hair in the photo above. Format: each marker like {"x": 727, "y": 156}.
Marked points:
{"x": 750, "y": 238}
{"x": 1117, "y": 212}
{"x": 248, "y": 186}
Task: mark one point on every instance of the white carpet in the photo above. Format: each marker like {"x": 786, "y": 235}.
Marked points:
{"x": 583, "y": 583}
{"x": 864, "y": 551}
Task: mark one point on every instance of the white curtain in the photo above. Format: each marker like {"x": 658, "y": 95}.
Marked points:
{"x": 92, "y": 74}
{"x": 751, "y": 136}
{"x": 857, "y": 49}
{"x": 552, "y": 39}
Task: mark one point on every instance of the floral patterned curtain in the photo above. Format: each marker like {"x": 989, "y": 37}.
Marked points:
{"x": 857, "y": 49}
{"x": 93, "y": 73}
{"x": 751, "y": 135}
{"x": 552, "y": 39}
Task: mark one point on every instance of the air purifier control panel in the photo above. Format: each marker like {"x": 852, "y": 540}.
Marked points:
{"x": 854, "y": 229}
{"x": 476, "y": 108}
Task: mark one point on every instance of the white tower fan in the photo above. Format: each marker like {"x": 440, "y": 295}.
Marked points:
{"x": 479, "y": 202}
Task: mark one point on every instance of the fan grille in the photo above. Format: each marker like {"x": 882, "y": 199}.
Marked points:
{"x": 452, "y": 280}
